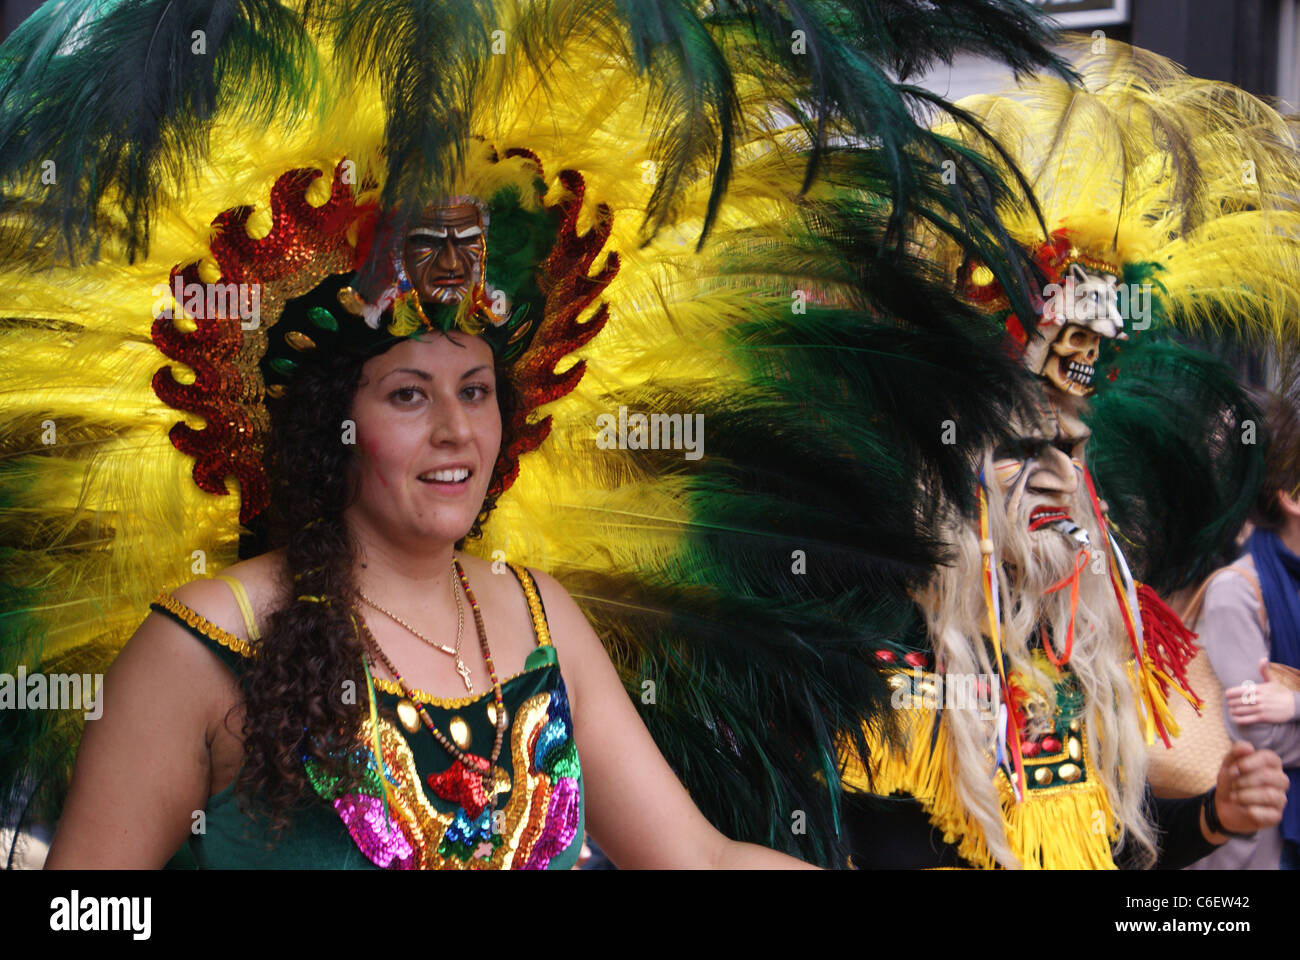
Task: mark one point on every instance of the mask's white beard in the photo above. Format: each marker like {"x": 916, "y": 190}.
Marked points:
{"x": 955, "y": 611}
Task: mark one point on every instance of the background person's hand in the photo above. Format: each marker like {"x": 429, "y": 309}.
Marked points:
{"x": 1251, "y": 790}
{"x": 1267, "y": 702}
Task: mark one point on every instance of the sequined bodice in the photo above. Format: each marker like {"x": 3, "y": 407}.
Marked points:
{"x": 1056, "y": 811}
{"x": 538, "y": 822}
{"x": 434, "y": 814}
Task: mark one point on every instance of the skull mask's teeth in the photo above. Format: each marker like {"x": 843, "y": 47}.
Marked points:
{"x": 1080, "y": 373}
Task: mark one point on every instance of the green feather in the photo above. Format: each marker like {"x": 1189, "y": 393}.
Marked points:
{"x": 835, "y": 447}
{"x": 118, "y": 98}
{"x": 1168, "y": 455}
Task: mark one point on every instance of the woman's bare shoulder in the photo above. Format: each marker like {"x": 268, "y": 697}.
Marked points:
{"x": 554, "y": 595}
{"x": 265, "y": 581}
{"x": 494, "y": 587}
{"x": 499, "y": 592}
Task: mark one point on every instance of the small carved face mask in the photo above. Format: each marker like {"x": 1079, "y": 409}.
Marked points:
{"x": 1071, "y": 362}
{"x": 443, "y": 254}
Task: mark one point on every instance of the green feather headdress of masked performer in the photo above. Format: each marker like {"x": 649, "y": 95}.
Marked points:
{"x": 1171, "y": 212}
{"x": 1153, "y": 206}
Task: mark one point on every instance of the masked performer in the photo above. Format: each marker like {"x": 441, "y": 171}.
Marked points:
{"x": 1028, "y": 700}
{"x": 371, "y": 238}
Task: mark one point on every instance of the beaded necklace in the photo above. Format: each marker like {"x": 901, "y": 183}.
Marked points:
{"x": 475, "y": 765}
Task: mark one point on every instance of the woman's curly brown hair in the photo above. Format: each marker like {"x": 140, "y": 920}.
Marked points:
{"x": 294, "y": 688}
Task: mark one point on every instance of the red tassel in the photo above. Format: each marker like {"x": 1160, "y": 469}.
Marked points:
{"x": 1169, "y": 643}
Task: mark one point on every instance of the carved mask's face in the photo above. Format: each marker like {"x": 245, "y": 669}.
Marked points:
{"x": 1039, "y": 472}
{"x": 443, "y": 253}
{"x": 1071, "y": 362}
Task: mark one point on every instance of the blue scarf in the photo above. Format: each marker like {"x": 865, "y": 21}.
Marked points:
{"x": 1279, "y": 582}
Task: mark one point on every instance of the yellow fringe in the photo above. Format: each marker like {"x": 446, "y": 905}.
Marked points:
{"x": 1054, "y": 828}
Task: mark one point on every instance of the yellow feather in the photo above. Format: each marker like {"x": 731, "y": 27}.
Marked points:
{"x": 1147, "y": 164}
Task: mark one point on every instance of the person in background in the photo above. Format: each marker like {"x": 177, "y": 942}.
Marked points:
{"x": 1250, "y": 628}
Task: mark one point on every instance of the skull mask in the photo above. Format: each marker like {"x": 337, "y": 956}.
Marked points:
{"x": 1072, "y": 360}
{"x": 1087, "y": 305}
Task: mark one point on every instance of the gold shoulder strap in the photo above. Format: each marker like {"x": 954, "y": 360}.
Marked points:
{"x": 535, "y": 609}
{"x": 245, "y": 608}
{"x": 201, "y": 625}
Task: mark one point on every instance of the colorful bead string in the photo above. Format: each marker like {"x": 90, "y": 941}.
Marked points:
{"x": 992, "y": 606}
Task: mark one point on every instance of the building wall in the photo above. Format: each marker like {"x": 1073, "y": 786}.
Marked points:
{"x": 1233, "y": 40}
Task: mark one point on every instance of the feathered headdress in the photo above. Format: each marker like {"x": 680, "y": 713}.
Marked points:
{"x": 602, "y": 145}
{"x": 1157, "y": 206}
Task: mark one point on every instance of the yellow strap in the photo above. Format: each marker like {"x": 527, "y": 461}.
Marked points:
{"x": 245, "y": 608}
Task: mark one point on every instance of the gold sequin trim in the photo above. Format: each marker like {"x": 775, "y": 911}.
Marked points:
{"x": 540, "y": 629}
{"x": 532, "y": 789}
{"x": 390, "y": 686}
{"x": 204, "y": 626}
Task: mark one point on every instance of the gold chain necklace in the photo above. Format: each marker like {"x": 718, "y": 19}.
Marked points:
{"x": 460, "y": 629}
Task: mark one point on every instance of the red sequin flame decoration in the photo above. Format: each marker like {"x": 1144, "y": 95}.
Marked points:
{"x": 227, "y": 443}
{"x": 564, "y": 280}
{"x": 305, "y": 244}
{"x": 308, "y": 243}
